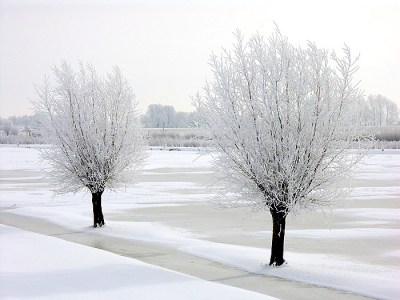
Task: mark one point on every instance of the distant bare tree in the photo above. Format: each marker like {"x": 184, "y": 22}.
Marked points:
{"x": 391, "y": 112}
{"x": 92, "y": 124}
{"x": 14, "y": 130}
{"x": 170, "y": 113}
{"x": 278, "y": 115}
{"x": 7, "y": 126}
{"x": 383, "y": 110}
{"x": 155, "y": 116}
{"x": 181, "y": 119}
{"x": 159, "y": 116}
{"x": 28, "y": 129}
{"x": 194, "y": 119}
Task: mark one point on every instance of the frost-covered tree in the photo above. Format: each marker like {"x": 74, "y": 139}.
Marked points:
{"x": 14, "y": 130}
{"x": 7, "y": 126}
{"x": 181, "y": 119}
{"x": 170, "y": 113}
{"x": 155, "y": 116}
{"x": 362, "y": 114}
{"x": 94, "y": 129}
{"x": 391, "y": 112}
{"x": 159, "y": 116}
{"x": 383, "y": 111}
{"x": 277, "y": 116}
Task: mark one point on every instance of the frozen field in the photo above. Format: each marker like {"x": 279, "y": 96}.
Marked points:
{"x": 165, "y": 220}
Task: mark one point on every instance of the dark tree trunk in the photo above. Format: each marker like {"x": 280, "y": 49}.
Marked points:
{"x": 97, "y": 211}
{"x": 278, "y": 236}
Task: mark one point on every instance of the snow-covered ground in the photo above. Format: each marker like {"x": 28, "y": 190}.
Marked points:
{"x": 357, "y": 251}
{"x": 42, "y": 267}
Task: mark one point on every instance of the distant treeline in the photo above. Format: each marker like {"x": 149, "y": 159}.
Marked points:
{"x": 21, "y": 130}
{"x": 376, "y": 110}
{"x": 165, "y": 116}
{"x": 167, "y": 127}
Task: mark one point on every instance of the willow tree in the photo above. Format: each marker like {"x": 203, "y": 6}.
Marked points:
{"x": 277, "y": 116}
{"x": 94, "y": 131}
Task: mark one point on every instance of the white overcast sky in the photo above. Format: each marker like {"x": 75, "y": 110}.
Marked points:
{"x": 163, "y": 46}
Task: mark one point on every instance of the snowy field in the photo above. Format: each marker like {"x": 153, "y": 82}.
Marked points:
{"x": 357, "y": 249}
{"x": 88, "y": 273}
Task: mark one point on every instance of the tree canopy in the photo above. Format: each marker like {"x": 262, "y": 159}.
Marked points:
{"x": 93, "y": 128}
{"x": 277, "y": 116}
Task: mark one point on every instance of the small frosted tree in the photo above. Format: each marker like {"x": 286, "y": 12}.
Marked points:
{"x": 7, "y": 126}
{"x": 277, "y": 116}
{"x": 384, "y": 112}
{"x": 94, "y": 130}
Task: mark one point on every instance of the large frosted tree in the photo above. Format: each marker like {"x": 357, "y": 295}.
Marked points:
{"x": 94, "y": 131}
{"x": 277, "y": 116}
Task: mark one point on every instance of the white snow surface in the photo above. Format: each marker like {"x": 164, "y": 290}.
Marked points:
{"x": 43, "y": 267}
{"x": 375, "y": 165}
{"x": 74, "y": 212}
{"x": 337, "y": 272}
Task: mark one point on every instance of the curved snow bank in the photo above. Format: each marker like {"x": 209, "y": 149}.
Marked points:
{"x": 42, "y": 267}
{"x": 323, "y": 270}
